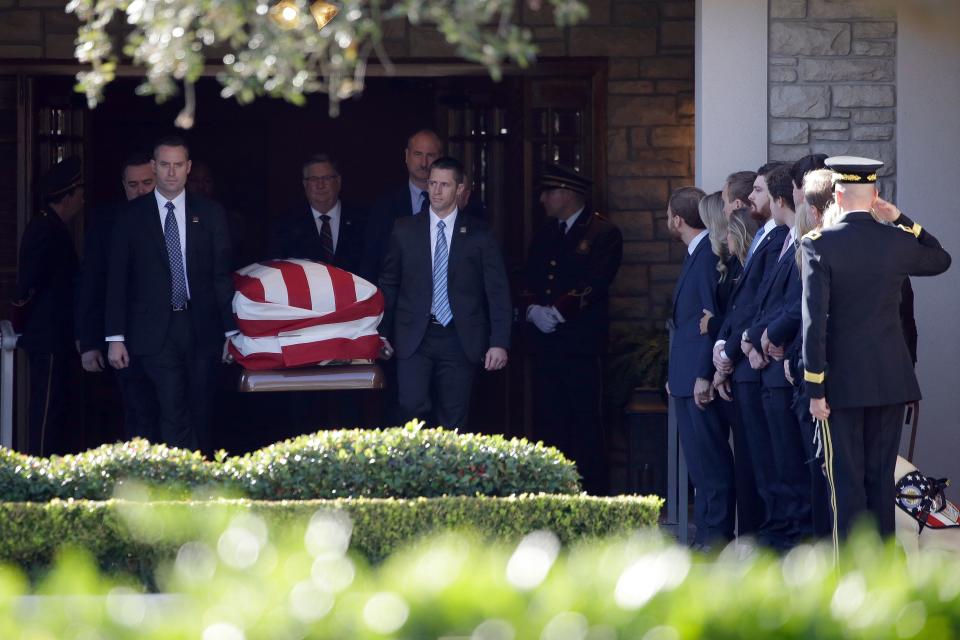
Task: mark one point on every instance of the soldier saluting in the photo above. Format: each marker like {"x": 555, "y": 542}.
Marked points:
{"x": 858, "y": 371}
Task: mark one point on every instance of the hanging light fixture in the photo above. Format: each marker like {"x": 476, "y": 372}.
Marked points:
{"x": 285, "y": 13}
{"x": 323, "y": 12}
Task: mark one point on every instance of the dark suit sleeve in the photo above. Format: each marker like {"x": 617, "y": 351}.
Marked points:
{"x": 117, "y": 277}
{"x": 389, "y": 282}
{"x": 497, "y": 289}
{"x": 222, "y": 268}
{"x": 907, "y": 319}
{"x": 35, "y": 266}
{"x": 91, "y": 288}
{"x": 928, "y": 258}
{"x": 784, "y": 327}
{"x": 595, "y": 280}
{"x": 816, "y": 302}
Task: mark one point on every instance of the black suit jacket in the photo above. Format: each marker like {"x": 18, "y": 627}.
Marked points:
{"x": 854, "y": 353}
{"x": 691, "y": 353}
{"x": 572, "y": 272}
{"x": 778, "y": 313}
{"x": 743, "y": 301}
{"x": 295, "y": 235}
{"x": 477, "y": 287}
{"x": 138, "y": 286}
{"x": 45, "y": 280}
{"x": 92, "y": 285}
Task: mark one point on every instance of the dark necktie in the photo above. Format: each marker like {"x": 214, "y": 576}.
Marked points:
{"x": 563, "y": 227}
{"x": 178, "y": 279}
{"x": 326, "y": 238}
{"x": 425, "y": 202}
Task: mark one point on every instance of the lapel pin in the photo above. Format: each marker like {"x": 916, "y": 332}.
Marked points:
{"x": 196, "y": 219}
{"x": 463, "y": 229}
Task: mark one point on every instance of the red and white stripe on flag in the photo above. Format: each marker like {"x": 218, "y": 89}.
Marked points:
{"x": 294, "y": 313}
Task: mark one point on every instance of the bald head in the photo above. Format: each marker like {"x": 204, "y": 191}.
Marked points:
{"x": 855, "y": 197}
{"x": 423, "y": 148}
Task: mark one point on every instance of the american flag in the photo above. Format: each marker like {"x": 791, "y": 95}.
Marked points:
{"x": 294, "y": 313}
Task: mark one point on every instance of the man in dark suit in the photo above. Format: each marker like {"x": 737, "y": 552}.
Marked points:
{"x": 169, "y": 295}
{"x": 730, "y": 362}
{"x": 773, "y": 329}
{"x": 323, "y": 227}
{"x": 690, "y": 373}
{"x": 571, "y": 263}
{"x": 136, "y": 391}
{"x": 45, "y": 274}
{"x": 447, "y": 303}
{"x": 857, "y": 366}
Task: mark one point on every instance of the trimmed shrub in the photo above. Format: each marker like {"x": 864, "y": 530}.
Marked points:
{"x": 24, "y": 478}
{"x": 134, "y": 536}
{"x": 402, "y": 462}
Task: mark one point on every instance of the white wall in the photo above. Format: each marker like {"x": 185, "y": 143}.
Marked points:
{"x": 928, "y": 169}
{"x": 731, "y": 89}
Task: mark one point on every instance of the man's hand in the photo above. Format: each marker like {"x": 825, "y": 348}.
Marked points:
{"x": 226, "y": 356}
{"x": 746, "y": 347}
{"x": 721, "y": 384}
{"x": 386, "y": 349}
{"x": 764, "y": 341}
{"x": 92, "y": 360}
{"x": 757, "y": 360}
{"x": 885, "y": 210}
{"x": 705, "y": 322}
{"x": 702, "y": 393}
{"x": 775, "y": 352}
{"x": 117, "y": 355}
{"x": 819, "y": 408}
{"x": 495, "y": 359}
{"x": 786, "y": 372}
{"x": 542, "y": 318}
{"x": 721, "y": 362}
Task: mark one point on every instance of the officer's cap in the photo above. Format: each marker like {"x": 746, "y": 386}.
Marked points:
{"x": 557, "y": 176}
{"x": 62, "y": 177}
{"x": 854, "y": 170}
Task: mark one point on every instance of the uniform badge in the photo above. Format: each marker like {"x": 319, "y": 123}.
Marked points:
{"x": 813, "y": 235}
{"x": 583, "y": 247}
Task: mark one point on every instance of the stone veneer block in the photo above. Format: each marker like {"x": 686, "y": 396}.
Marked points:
{"x": 782, "y": 74}
{"x": 844, "y": 9}
{"x": 783, "y": 62}
{"x": 632, "y": 279}
{"x": 788, "y": 8}
{"x": 789, "y": 132}
{"x": 634, "y": 14}
{"x": 873, "y": 48}
{"x": 653, "y": 162}
{"x": 635, "y": 225}
{"x": 623, "y": 68}
{"x": 617, "y": 145}
{"x": 787, "y": 152}
{"x": 21, "y": 26}
{"x": 625, "y": 111}
{"x": 673, "y": 67}
{"x": 873, "y": 132}
{"x": 831, "y": 135}
{"x": 830, "y": 125}
{"x": 672, "y": 136}
{"x": 13, "y": 51}
{"x": 874, "y": 30}
{"x": 865, "y": 95}
{"x": 839, "y": 70}
{"x": 613, "y": 41}
{"x": 874, "y": 116}
{"x": 810, "y": 38}
{"x": 677, "y": 33}
{"x": 804, "y": 101}
{"x": 637, "y": 193}
{"x": 630, "y": 87}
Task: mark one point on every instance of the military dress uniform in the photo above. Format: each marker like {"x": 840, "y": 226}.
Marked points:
{"x": 571, "y": 269}
{"x": 854, "y": 353}
{"x": 45, "y": 290}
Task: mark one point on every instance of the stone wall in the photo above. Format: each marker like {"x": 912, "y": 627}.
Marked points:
{"x": 832, "y": 81}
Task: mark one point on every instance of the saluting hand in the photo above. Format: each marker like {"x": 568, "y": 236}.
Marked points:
{"x": 886, "y": 211}
{"x": 117, "y": 355}
{"x": 495, "y": 359}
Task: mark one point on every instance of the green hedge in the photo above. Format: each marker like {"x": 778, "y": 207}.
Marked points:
{"x": 402, "y": 462}
{"x": 134, "y": 536}
{"x": 256, "y": 582}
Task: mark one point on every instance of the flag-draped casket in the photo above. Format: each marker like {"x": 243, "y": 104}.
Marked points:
{"x": 294, "y": 313}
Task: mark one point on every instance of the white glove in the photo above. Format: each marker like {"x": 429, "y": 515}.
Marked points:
{"x": 556, "y": 314}
{"x": 543, "y": 318}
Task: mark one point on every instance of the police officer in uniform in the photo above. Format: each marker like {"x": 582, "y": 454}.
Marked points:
{"x": 571, "y": 263}
{"x": 45, "y": 280}
{"x": 858, "y": 370}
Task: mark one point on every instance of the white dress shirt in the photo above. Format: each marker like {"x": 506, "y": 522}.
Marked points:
{"x": 571, "y": 220}
{"x": 334, "y": 214}
{"x": 416, "y": 199}
{"x": 693, "y": 243}
{"x": 449, "y": 223}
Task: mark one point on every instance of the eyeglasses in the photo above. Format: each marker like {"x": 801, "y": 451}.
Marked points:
{"x": 316, "y": 181}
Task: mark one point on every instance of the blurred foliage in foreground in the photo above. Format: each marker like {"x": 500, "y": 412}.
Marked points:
{"x": 240, "y": 579}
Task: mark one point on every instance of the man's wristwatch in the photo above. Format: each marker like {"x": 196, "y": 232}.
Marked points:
{"x": 746, "y": 336}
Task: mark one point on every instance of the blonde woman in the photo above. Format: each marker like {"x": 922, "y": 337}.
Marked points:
{"x": 741, "y": 228}
{"x": 711, "y": 213}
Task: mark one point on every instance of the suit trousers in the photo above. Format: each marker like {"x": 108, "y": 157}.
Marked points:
{"x": 753, "y": 421}
{"x": 821, "y": 516}
{"x": 183, "y": 375}
{"x": 567, "y": 395}
{"x": 706, "y": 448}
{"x": 49, "y": 374}
{"x": 793, "y": 478}
{"x": 140, "y": 410}
{"x": 434, "y": 384}
{"x": 750, "y": 510}
{"x": 865, "y": 444}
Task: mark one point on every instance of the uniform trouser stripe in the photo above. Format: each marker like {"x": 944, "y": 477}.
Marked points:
{"x": 46, "y": 406}
{"x": 824, "y": 427}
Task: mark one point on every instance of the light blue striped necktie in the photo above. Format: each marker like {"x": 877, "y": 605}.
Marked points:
{"x": 441, "y": 303}
{"x": 756, "y": 241}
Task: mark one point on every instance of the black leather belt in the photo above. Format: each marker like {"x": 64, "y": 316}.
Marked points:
{"x": 433, "y": 320}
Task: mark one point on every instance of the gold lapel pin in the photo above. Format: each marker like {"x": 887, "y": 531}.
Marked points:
{"x": 463, "y": 229}
{"x": 196, "y": 219}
